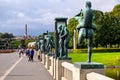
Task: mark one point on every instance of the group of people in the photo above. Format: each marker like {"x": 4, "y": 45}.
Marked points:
{"x": 28, "y": 52}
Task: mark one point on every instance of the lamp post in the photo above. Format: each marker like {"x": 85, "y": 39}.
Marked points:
{"x": 58, "y": 21}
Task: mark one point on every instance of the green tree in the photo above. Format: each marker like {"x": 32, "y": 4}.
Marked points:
{"x": 71, "y": 27}
{"x": 15, "y": 43}
{"x": 97, "y": 20}
{"x": 109, "y": 30}
{"x": 116, "y": 13}
{"x": 7, "y": 35}
{"x": 1, "y": 35}
{"x": 105, "y": 30}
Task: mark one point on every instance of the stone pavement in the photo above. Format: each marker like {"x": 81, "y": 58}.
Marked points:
{"x": 25, "y": 70}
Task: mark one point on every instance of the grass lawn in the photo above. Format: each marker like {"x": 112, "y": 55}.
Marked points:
{"x": 108, "y": 59}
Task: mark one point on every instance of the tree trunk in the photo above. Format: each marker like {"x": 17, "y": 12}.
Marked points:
{"x": 106, "y": 45}
{"x": 110, "y": 45}
{"x": 118, "y": 45}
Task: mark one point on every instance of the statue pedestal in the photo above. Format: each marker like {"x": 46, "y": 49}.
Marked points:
{"x": 59, "y": 66}
{"x": 51, "y": 67}
{"x": 48, "y": 61}
{"x": 43, "y": 58}
{"x": 85, "y": 68}
{"x": 54, "y": 68}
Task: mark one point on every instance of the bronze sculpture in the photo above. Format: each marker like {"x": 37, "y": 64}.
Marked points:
{"x": 86, "y": 27}
{"x": 63, "y": 40}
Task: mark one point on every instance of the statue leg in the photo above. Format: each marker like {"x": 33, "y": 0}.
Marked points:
{"x": 89, "y": 49}
{"x": 61, "y": 47}
{"x": 65, "y": 48}
{"x": 80, "y": 38}
{"x": 50, "y": 48}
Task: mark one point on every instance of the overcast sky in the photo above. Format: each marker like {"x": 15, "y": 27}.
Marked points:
{"x": 39, "y": 15}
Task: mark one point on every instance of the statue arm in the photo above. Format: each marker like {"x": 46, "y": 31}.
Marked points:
{"x": 65, "y": 32}
{"x": 93, "y": 25}
{"x": 81, "y": 12}
{"x": 77, "y": 17}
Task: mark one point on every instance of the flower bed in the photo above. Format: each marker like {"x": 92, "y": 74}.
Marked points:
{"x": 6, "y": 51}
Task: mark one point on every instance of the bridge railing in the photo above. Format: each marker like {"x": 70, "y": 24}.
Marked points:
{"x": 96, "y": 76}
{"x": 69, "y": 71}
{"x": 72, "y": 73}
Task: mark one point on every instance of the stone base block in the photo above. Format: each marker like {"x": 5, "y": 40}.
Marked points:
{"x": 59, "y": 67}
{"x": 43, "y": 59}
{"x": 86, "y": 68}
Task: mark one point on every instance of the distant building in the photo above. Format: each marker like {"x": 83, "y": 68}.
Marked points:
{"x": 18, "y": 37}
{"x": 5, "y": 43}
{"x": 23, "y": 37}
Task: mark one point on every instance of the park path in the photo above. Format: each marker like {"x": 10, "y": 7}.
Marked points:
{"x": 25, "y": 70}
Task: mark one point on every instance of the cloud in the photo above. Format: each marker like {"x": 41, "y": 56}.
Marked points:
{"x": 40, "y": 14}
{"x": 20, "y": 15}
{"x": 103, "y": 5}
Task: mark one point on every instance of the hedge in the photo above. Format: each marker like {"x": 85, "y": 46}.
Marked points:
{"x": 95, "y": 50}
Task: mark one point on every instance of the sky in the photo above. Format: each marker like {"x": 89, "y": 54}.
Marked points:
{"x": 39, "y": 15}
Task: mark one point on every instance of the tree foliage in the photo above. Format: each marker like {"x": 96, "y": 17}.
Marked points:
{"x": 6, "y": 35}
{"x": 98, "y": 17}
{"x": 108, "y": 28}
{"x": 71, "y": 27}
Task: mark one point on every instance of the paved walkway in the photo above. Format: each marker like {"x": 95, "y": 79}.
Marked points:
{"x": 25, "y": 70}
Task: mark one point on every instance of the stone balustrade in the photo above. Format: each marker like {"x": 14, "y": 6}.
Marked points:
{"x": 96, "y": 76}
{"x": 62, "y": 69}
{"x": 69, "y": 72}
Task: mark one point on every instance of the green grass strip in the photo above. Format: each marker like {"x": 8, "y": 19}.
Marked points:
{"x": 108, "y": 59}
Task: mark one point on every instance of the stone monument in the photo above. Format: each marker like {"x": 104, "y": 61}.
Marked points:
{"x": 49, "y": 43}
{"x": 64, "y": 39}
{"x": 61, "y": 44}
{"x": 86, "y": 28}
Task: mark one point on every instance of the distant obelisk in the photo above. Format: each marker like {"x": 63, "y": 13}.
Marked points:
{"x": 74, "y": 40}
{"x": 25, "y": 31}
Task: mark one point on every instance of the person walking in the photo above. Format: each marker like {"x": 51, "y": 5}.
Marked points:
{"x": 27, "y": 52}
{"x": 21, "y": 52}
{"x": 31, "y": 55}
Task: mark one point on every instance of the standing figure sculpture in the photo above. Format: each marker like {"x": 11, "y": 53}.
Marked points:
{"x": 41, "y": 43}
{"x": 64, "y": 39}
{"x": 85, "y": 27}
{"x": 49, "y": 43}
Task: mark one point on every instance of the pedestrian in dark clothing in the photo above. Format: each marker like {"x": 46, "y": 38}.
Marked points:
{"x": 31, "y": 54}
{"x": 27, "y": 52}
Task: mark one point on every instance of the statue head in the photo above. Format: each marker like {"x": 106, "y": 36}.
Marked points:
{"x": 88, "y": 4}
{"x": 60, "y": 27}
